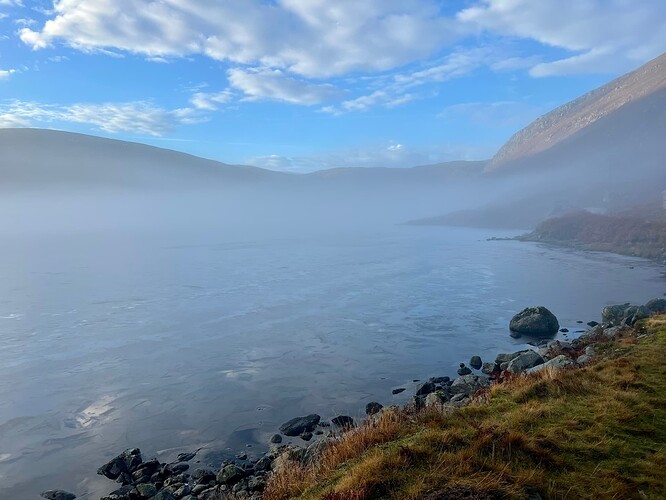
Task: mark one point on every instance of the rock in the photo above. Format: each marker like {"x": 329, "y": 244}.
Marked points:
{"x": 584, "y": 359}
{"x": 178, "y": 468}
{"x": 612, "y": 332}
{"x": 613, "y": 315}
{"x": 559, "y": 362}
{"x": 242, "y": 456}
{"x": 440, "y": 380}
{"x": 634, "y": 314}
{"x": 264, "y": 463}
{"x": 506, "y": 358}
{"x": 656, "y": 306}
{"x": 201, "y": 476}
{"x": 146, "y": 490}
{"x": 535, "y": 321}
{"x": 489, "y": 368}
{"x": 589, "y": 350}
{"x": 186, "y": 457}
{"x": 230, "y": 474}
{"x": 343, "y": 421}
{"x": 436, "y": 399}
{"x": 58, "y": 495}
{"x": 528, "y": 359}
{"x": 592, "y": 324}
{"x": 299, "y": 425}
{"x": 398, "y": 391}
{"x": 256, "y": 483}
{"x": 463, "y": 370}
{"x": 276, "y": 439}
{"x": 164, "y": 495}
{"x": 314, "y": 451}
{"x": 122, "y": 493}
{"x": 306, "y": 436}
{"x": 469, "y": 384}
{"x": 127, "y": 462}
{"x": 425, "y": 389}
{"x": 564, "y": 330}
{"x": 373, "y": 408}
{"x": 475, "y": 362}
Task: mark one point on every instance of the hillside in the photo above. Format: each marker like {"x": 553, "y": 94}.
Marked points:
{"x": 565, "y": 121}
{"x": 593, "y": 432}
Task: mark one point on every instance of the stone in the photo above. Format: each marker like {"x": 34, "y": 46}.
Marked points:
{"x": 58, "y": 495}
{"x": 592, "y": 324}
{"x": 463, "y": 370}
{"x": 475, "y": 362}
{"x": 559, "y": 362}
{"x": 612, "y": 332}
{"x": 425, "y": 389}
{"x": 656, "y": 306}
{"x": 178, "y": 468}
{"x": 299, "y": 425}
{"x": 203, "y": 476}
{"x": 613, "y": 315}
{"x": 372, "y": 408}
{"x": 146, "y": 490}
{"x": 528, "y": 359}
{"x": 314, "y": 451}
{"x": 256, "y": 483}
{"x": 306, "y": 436}
{"x": 164, "y": 495}
{"x": 230, "y": 474}
{"x": 489, "y": 368}
{"x": 584, "y": 359}
{"x": 127, "y": 462}
{"x": 564, "y": 330}
{"x": 264, "y": 463}
{"x": 440, "y": 380}
{"x": 276, "y": 439}
{"x": 469, "y": 384}
{"x": 436, "y": 399}
{"x": 537, "y": 321}
{"x": 122, "y": 493}
{"x": 398, "y": 391}
{"x": 343, "y": 421}
{"x": 242, "y": 456}
{"x": 589, "y": 350}
{"x": 506, "y": 358}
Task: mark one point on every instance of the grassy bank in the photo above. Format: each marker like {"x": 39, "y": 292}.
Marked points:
{"x": 597, "y": 431}
{"x": 623, "y": 235}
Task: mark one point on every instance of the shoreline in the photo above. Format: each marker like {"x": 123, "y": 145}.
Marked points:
{"x": 241, "y": 478}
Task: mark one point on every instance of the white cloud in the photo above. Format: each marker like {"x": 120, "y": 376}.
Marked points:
{"x": 6, "y": 73}
{"x": 136, "y": 117}
{"x": 273, "y": 84}
{"x": 608, "y": 35}
{"x": 210, "y": 101}
{"x": 384, "y": 98}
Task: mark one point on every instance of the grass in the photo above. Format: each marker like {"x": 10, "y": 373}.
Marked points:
{"x": 597, "y": 431}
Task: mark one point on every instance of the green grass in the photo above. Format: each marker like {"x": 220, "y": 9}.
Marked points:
{"x": 597, "y": 432}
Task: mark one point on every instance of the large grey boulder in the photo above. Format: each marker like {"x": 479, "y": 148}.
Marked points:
{"x": 469, "y": 384}
{"x": 558, "y": 363}
{"x": 535, "y": 321}
{"x": 58, "y": 495}
{"x": 299, "y": 425}
{"x": 656, "y": 306}
{"x": 230, "y": 474}
{"x": 125, "y": 463}
{"x": 625, "y": 314}
{"x": 528, "y": 359}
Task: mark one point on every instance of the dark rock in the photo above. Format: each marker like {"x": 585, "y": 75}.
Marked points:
{"x": 463, "y": 370}
{"x": 398, "y": 391}
{"x": 564, "y": 330}
{"x": 146, "y": 490}
{"x": 276, "y": 439}
{"x": 201, "y": 476}
{"x": 425, "y": 389}
{"x": 164, "y": 495}
{"x": 373, "y": 408}
{"x": 535, "y": 321}
{"x": 299, "y": 425}
{"x": 318, "y": 432}
{"x": 230, "y": 474}
{"x": 186, "y": 457}
{"x": 656, "y": 306}
{"x": 614, "y": 315}
{"x": 440, "y": 380}
{"x": 469, "y": 384}
{"x": 264, "y": 463}
{"x": 506, "y": 358}
{"x": 242, "y": 456}
{"x": 122, "y": 493}
{"x": 475, "y": 362}
{"x": 592, "y": 324}
{"x": 489, "y": 368}
{"x": 127, "y": 462}
{"x": 256, "y": 484}
{"x": 343, "y": 421}
{"x": 178, "y": 468}
{"x": 306, "y": 436}
{"x": 58, "y": 495}
{"x": 634, "y": 314}
{"x": 528, "y": 359}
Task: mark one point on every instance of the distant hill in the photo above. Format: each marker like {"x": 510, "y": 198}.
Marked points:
{"x": 35, "y": 158}
{"x": 640, "y": 87}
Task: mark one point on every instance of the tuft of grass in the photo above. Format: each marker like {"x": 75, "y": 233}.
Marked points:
{"x": 598, "y": 431}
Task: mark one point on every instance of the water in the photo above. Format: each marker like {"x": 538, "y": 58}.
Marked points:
{"x": 170, "y": 342}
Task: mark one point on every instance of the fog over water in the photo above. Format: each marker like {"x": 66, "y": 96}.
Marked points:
{"x": 169, "y": 329}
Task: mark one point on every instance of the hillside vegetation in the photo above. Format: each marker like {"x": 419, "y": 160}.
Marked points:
{"x": 623, "y": 235}
{"x": 593, "y": 432}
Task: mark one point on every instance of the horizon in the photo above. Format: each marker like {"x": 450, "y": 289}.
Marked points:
{"x": 301, "y": 86}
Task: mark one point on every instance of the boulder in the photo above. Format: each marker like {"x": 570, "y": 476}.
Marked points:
{"x": 343, "y": 421}
{"x": 535, "y": 321}
{"x": 125, "y": 463}
{"x": 612, "y": 332}
{"x": 306, "y": 436}
{"x": 528, "y": 359}
{"x": 425, "y": 389}
{"x": 469, "y": 384}
{"x": 656, "y": 306}
{"x": 276, "y": 439}
{"x": 475, "y": 362}
{"x": 230, "y": 474}
{"x": 463, "y": 370}
{"x": 146, "y": 490}
{"x": 559, "y": 362}
{"x": 506, "y": 358}
{"x": 398, "y": 390}
{"x": 372, "y": 408}
{"x": 58, "y": 495}
{"x": 436, "y": 399}
{"x": 613, "y": 315}
{"x": 635, "y": 313}
{"x": 299, "y": 425}
{"x": 489, "y": 368}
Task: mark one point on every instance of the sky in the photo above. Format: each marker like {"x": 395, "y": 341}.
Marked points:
{"x": 301, "y": 85}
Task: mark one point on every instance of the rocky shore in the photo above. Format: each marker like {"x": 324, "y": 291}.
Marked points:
{"x": 141, "y": 479}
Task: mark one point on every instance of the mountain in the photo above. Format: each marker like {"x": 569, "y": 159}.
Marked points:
{"x": 642, "y": 89}
{"x": 37, "y": 158}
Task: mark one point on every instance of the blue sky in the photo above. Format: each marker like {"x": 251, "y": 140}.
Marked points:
{"x": 306, "y": 84}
